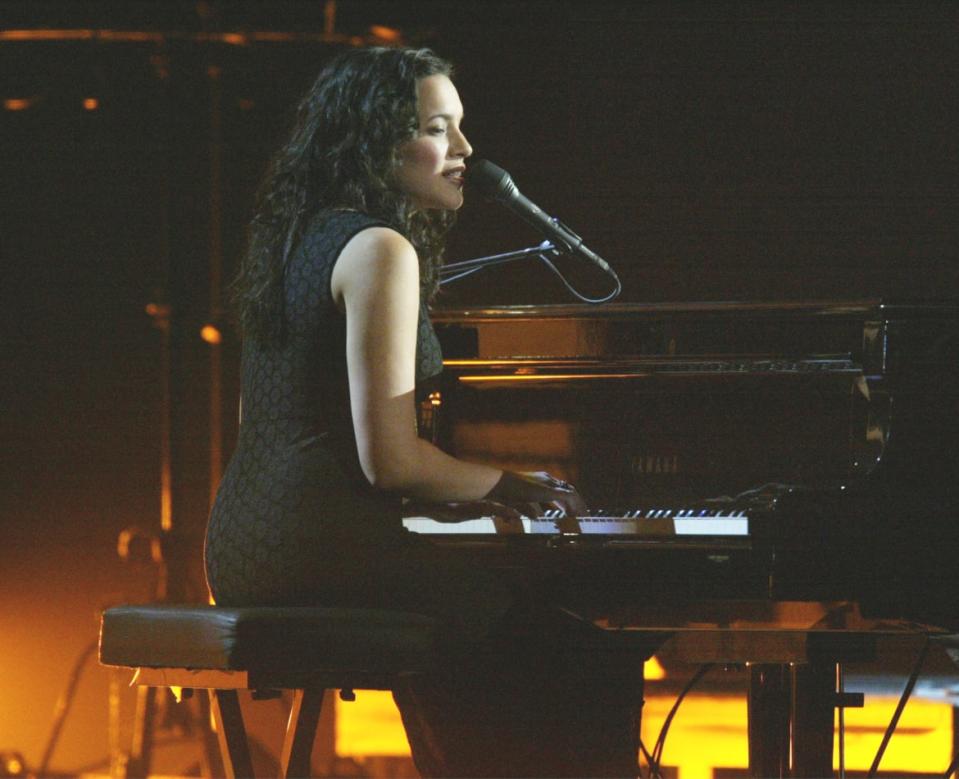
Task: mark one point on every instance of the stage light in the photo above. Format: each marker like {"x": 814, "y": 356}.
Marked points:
{"x": 385, "y": 33}
{"x": 160, "y": 314}
{"x": 211, "y": 334}
{"x": 653, "y": 669}
{"x": 234, "y": 38}
{"x": 90, "y": 104}
{"x": 19, "y": 103}
{"x": 11, "y": 764}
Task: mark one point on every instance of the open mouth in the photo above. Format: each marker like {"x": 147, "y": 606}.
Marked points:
{"x": 455, "y": 176}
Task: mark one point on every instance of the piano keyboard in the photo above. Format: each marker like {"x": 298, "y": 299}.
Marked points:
{"x": 649, "y": 523}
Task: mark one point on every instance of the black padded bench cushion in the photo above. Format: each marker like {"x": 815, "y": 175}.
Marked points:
{"x": 277, "y": 639}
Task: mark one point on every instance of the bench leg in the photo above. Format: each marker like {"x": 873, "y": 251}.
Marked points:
{"x": 212, "y": 761}
{"x": 225, "y": 707}
{"x": 141, "y": 748}
{"x": 300, "y": 733}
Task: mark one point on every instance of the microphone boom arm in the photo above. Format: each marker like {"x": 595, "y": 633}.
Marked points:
{"x": 464, "y": 267}
{"x": 458, "y": 270}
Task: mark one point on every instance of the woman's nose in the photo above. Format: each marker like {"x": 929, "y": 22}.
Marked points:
{"x": 461, "y": 147}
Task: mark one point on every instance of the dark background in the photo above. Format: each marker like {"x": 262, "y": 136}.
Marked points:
{"x": 709, "y": 151}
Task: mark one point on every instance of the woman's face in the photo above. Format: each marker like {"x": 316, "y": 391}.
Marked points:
{"x": 432, "y": 164}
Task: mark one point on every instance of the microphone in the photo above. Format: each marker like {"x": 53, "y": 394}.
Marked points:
{"x": 497, "y": 185}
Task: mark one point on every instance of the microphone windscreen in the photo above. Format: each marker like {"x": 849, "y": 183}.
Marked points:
{"x": 490, "y": 179}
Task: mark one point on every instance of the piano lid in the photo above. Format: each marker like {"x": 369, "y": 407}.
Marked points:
{"x": 875, "y": 336}
{"x": 828, "y": 308}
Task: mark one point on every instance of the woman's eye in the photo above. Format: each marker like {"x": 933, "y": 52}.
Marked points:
{"x": 436, "y": 130}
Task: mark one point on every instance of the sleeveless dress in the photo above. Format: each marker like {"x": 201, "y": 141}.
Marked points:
{"x": 294, "y": 502}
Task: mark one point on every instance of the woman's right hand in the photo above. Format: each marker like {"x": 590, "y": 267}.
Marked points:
{"x": 533, "y": 491}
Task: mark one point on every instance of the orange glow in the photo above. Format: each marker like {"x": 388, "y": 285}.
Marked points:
{"x": 234, "y": 38}
{"x": 12, "y": 765}
{"x": 709, "y": 732}
{"x": 160, "y": 313}
{"x": 547, "y": 377}
{"x": 147, "y": 36}
{"x": 90, "y": 104}
{"x": 134, "y": 36}
{"x": 922, "y": 741}
{"x": 211, "y": 334}
{"x": 385, "y": 33}
{"x": 370, "y": 725}
{"x": 18, "y": 103}
{"x": 524, "y": 364}
{"x": 45, "y": 35}
{"x": 653, "y": 670}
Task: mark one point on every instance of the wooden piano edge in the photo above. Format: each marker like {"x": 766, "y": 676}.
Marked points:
{"x": 763, "y": 632}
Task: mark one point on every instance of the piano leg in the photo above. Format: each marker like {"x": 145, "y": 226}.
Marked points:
{"x": 791, "y": 710}
{"x": 768, "y": 712}
{"x": 813, "y": 709}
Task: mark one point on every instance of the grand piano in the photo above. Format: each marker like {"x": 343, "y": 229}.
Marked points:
{"x": 769, "y": 483}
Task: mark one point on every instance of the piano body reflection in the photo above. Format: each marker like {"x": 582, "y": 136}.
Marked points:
{"x": 779, "y": 472}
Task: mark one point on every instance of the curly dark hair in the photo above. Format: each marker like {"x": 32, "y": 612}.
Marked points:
{"x": 341, "y": 153}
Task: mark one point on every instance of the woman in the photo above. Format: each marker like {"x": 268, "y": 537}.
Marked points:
{"x": 332, "y": 297}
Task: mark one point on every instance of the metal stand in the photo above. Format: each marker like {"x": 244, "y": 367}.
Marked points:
{"x": 457, "y": 270}
{"x": 168, "y": 548}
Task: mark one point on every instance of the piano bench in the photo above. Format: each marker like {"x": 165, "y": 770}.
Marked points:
{"x": 306, "y": 650}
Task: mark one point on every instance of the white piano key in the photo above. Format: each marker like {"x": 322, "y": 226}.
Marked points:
{"x": 712, "y": 526}
{"x": 479, "y": 526}
{"x": 733, "y": 523}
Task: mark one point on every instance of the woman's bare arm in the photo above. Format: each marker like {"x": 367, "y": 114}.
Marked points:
{"x": 376, "y": 282}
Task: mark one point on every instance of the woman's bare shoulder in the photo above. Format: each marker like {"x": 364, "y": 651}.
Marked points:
{"x": 376, "y": 253}
{"x": 376, "y": 245}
